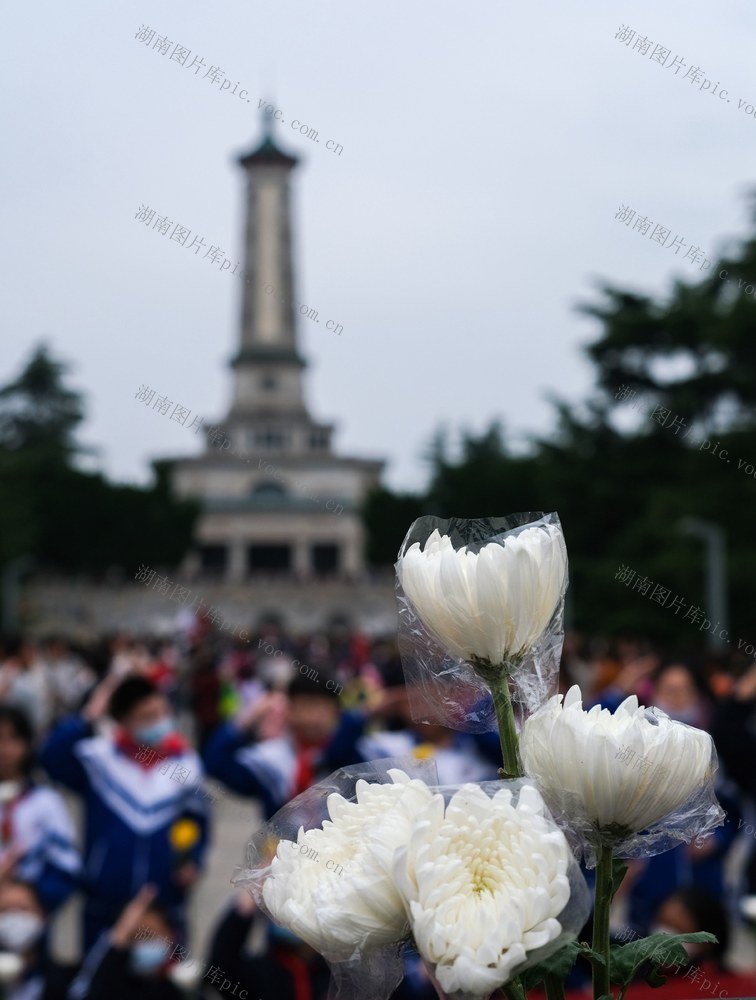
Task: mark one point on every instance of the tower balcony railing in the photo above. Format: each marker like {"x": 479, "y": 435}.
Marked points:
{"x": 286, "y": 503}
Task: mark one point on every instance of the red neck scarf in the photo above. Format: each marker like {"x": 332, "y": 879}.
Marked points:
{"x": 307, "y": 754}
{"x": 6, "y": 810}
{"x": 172, "y": 746}
{"x": 298, "y": 971}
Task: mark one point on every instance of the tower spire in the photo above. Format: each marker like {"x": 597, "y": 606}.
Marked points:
{"x": 268, "y": 366}
{"x": 267, "y": 126}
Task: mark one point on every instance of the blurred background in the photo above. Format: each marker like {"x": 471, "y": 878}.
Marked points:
{"x": 448, "y": 262}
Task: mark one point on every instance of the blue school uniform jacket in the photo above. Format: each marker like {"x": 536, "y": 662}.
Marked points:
{"x": 38, "y": 823}
{"x": 129, "y": 811}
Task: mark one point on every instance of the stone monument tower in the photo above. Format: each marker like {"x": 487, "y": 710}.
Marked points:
{"x": 276, "y": 500}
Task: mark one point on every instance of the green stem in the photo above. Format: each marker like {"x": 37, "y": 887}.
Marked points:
{"x": 505, "y": 717}
{"x": 601, "y": 920}
{"x": 554, "y": 987}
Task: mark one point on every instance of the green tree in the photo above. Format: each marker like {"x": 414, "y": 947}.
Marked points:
{"x": 64, "y": 519}
{"x": 690, "y": 359}
{"x": 387, "y": 517}
{"x": 486, "y": 477}
{"x": 37, "y": 412}
{"x": 669, "y": 432}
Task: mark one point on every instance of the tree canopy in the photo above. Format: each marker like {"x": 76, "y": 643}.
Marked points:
{"x": 668, "y": 432}
{"x": 60, "y": 518}
{"x": 37, "y": 412}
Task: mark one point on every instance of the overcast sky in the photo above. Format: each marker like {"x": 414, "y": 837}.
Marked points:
{"x": 486, "y": 150}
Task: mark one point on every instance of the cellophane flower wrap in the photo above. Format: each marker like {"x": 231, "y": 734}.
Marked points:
{"x": 634, "y": 779}
{"x": 371, "y": 860}
{"x": 490, "y": 884}
{"x": 479, "y": 598}
{"x": 322, "y": 868}
{"x": 482, "y": 878}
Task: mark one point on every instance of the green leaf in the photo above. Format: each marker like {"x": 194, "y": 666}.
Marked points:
{"x": 558, "y": 964}
{"x": 659, "y": 949}
{"x": 654, "y": 978}
{"x": 594, "y": 957}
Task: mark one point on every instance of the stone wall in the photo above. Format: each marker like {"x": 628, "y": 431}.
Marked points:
{"x": 86, "y": 610}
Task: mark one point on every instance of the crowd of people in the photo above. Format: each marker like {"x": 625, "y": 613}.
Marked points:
{"x": 145, "y": 732}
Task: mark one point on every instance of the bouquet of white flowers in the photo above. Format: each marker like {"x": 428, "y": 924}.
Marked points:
{"x": 483, "y": 879}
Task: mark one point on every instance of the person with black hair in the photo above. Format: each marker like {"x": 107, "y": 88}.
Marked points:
{"x": 26, "y": 970}
{"x": 37, "y": 839}
{"x": 282, "y": 744}
{"x": 315, "y": 737}
{"x": 204, "y": 686}
{"x": 136, "y": 958}
{"x": 734, "y": 733}
{"x": 23, "y": 681}
{"x": 676, "y": 687}
{"x": 694, "y": 909}
{"x": 289, "y": 970}
{"x": 69, "y": 678}
{"x": 146, "y": 816}
{"x": 680, "y": 692}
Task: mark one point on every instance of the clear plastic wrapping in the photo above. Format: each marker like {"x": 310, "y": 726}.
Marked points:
{"x": 322, "y": 869}
{"x": 376, "y": 823}
{"x": 473, "y": 594}
{"x": 635, "y": 779}
{"x": 490, "y": 884}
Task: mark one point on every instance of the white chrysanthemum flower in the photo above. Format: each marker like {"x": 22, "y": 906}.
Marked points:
{"x": 614, "y": 772}
{"x": 333, "y": 888}
{"x": 491, "y": 605}
{"x": 485, "y": 882}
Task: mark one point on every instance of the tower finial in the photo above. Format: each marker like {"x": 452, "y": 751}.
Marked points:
{"x": 267, "y": 124}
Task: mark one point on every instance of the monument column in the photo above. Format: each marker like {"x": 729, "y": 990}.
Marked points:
{"x": 237, "y": 561}
{"x": 302, "y": 560}
{"x": 268, "y": 367}
{"x": 350, "y": 552}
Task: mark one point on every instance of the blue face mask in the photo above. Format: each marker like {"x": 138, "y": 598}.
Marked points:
{"x": 147, "y": 957}
{"x": 155, "y": 733}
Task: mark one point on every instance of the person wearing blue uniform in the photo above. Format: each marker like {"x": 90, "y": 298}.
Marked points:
{"x": 29, "y": 973}
{"x": 146, "y": 818}
{"x": 37, "y": 838}
{"x": 318, "y": 738}
{"x": 135, "y": 959}
{"x": 315, "y": 739}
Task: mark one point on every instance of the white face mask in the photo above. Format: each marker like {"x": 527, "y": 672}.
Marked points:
{"x": 154, "y": 734}
{"x": 11, "y": 966}
{"x": 10, "y": 790}
{"x": 20, "y": 930}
